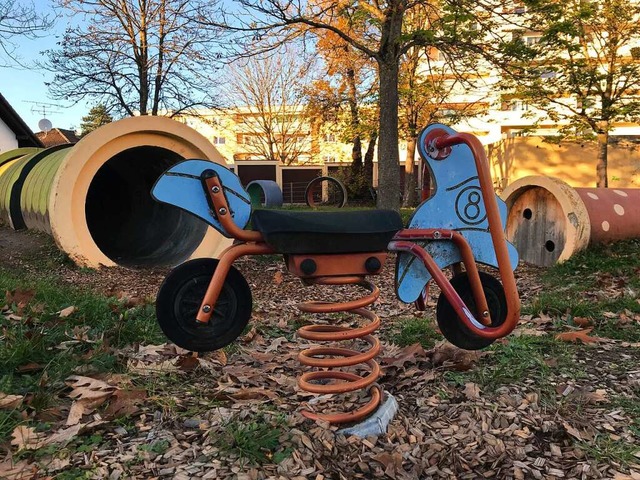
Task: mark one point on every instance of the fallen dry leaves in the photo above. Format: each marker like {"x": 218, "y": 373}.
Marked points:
{"x": 578, "y": 336}
{"x": 88, "y": 394}
{"x": 10, "y": 402}
{"x": 67, "y": 312}
{"x": 444, "y": 429}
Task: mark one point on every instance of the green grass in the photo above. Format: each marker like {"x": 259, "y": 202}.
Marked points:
{"x": 35, "y": 360}
{"x": 415, "y": 330}
{"x": 405, "y": 213}
{"x": 619, "y": 258}
{"x": 604, "y": 449}
{"x": 631, "y": 407}
{"x": 257, "y": 439}
{"x": 159, "y": 447}
{"x": 539, "y": 360}
{"x": 9, "y": 420}
{"x": 602, "y": 279}
{"x": 177, "y": 395}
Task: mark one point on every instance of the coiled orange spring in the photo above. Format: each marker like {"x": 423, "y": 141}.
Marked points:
{"x": 330, "y": 359}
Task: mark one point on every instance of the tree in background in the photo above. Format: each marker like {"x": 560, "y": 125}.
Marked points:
{"x": 583, "y": 70}
{"x": 427, "y": 85}
{"x": 136, "y": 57}
{"x": 18, "y": 20}
{"x": 347, "y": 93}
{"x": 377, "y": 29}
{"x": 97, "y": 116}
{"x": 268, "y": 94}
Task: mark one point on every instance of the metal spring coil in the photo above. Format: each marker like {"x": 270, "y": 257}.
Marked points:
{"x": 341, "y": 357}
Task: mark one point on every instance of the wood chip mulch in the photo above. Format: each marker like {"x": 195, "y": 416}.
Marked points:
{"x": 446, "y": 428}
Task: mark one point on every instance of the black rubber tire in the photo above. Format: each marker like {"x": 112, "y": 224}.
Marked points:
{"x": 179, "y": 299}
{"x": 452, "y": 327}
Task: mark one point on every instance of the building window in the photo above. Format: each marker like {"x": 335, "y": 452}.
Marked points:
{"x": 219, "y": 140}
{"x": 532, "y": 40}
{"x": 330, "y": 138}
{"x": 518, "y": 106}
{"x": 245, "y": 139}
{"x": 514, "y": 106}
{"x": 328, "y": 158}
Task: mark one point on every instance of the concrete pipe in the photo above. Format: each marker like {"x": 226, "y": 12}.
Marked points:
{"x": 548, "y": 221}
{"x": 94, "y": 197}
{"x": 265, "y": 193}
{"x": 327, "y": 190}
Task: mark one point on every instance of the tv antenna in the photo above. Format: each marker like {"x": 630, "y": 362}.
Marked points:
{"x": 43, "y": 109}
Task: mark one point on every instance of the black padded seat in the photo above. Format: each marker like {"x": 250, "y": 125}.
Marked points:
{"x": 353, "y": 231}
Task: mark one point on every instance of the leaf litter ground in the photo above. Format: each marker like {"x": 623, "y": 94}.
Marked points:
{"x": 557, "y": 399}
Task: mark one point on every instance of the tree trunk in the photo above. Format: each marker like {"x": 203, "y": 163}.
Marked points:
{"x": 143, "y": 62}
{"x": 601, "y": 166}
{"x": 409, "y": 199}
{"x": 368, "y": 159}
{"x": 356, "y": 151}
{"x": 388, "y": 155}
{"x": 356, "y": 156}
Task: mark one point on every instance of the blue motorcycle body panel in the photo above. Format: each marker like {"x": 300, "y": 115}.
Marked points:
{"x": 457, "y": 204}
{"x": 181, "y": 186}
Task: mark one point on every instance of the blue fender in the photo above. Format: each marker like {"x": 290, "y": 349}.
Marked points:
{"x": 457, "y": 204}
{"x": 180, "y": 186}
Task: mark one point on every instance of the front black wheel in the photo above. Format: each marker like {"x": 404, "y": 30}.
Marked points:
{"x": 452, "y": 327}
{"x": 179, "y": 300}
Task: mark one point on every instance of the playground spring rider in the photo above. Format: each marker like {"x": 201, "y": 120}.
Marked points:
{"x": 205, "y": 304}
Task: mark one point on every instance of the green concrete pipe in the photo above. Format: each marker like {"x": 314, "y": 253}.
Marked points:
{"x": 16, "y": 184}
{"x": 94, "y": 197}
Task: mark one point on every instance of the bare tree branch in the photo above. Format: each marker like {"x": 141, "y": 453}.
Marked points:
{"x": 141, "y": 57}
{"x": 19, "y": 20}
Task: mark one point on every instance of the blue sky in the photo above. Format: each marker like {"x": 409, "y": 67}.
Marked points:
{"x": 22, "y": 85}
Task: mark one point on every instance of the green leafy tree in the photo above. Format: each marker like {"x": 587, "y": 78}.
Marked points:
{"x": 427, "y": 87}
{"x": 96, "y": 117}
{"x": 349, "y": 89}
{"x": 583, "y": 71}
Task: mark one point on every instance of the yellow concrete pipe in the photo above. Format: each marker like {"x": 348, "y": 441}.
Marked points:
{"x": 94, "y": 198}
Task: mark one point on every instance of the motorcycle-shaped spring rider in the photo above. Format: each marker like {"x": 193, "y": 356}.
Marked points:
{"x": 205, "y": 304}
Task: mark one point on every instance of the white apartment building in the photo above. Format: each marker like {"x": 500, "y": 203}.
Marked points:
{"x": 506, "y": 116}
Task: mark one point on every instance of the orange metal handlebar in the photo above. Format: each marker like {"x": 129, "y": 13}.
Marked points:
{"x": 441, "y": 142}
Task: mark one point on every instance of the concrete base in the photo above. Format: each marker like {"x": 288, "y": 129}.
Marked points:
{"x": 377, "y": 423}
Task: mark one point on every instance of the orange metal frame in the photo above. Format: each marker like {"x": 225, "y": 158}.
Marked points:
{"x": 439, "y": 145}
{"x": 252, "y": 243}
{"x": 350, "y": 269}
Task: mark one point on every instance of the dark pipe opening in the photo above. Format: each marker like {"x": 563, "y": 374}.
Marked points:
{"x": 550, "y": 246}
{"x": 127, "y": 224}
{"x": 257, "y": 195}
{"x": 527, "y": 213}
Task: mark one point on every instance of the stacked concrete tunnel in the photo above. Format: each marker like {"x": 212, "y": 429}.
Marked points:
{"x": 94, "y": 197}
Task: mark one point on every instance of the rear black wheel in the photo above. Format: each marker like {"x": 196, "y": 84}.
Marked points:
{"x": 179, "y": 300}
{"x": 452, "y": 327}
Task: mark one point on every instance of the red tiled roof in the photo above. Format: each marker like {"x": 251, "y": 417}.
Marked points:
{"x": 57, "y": 136}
